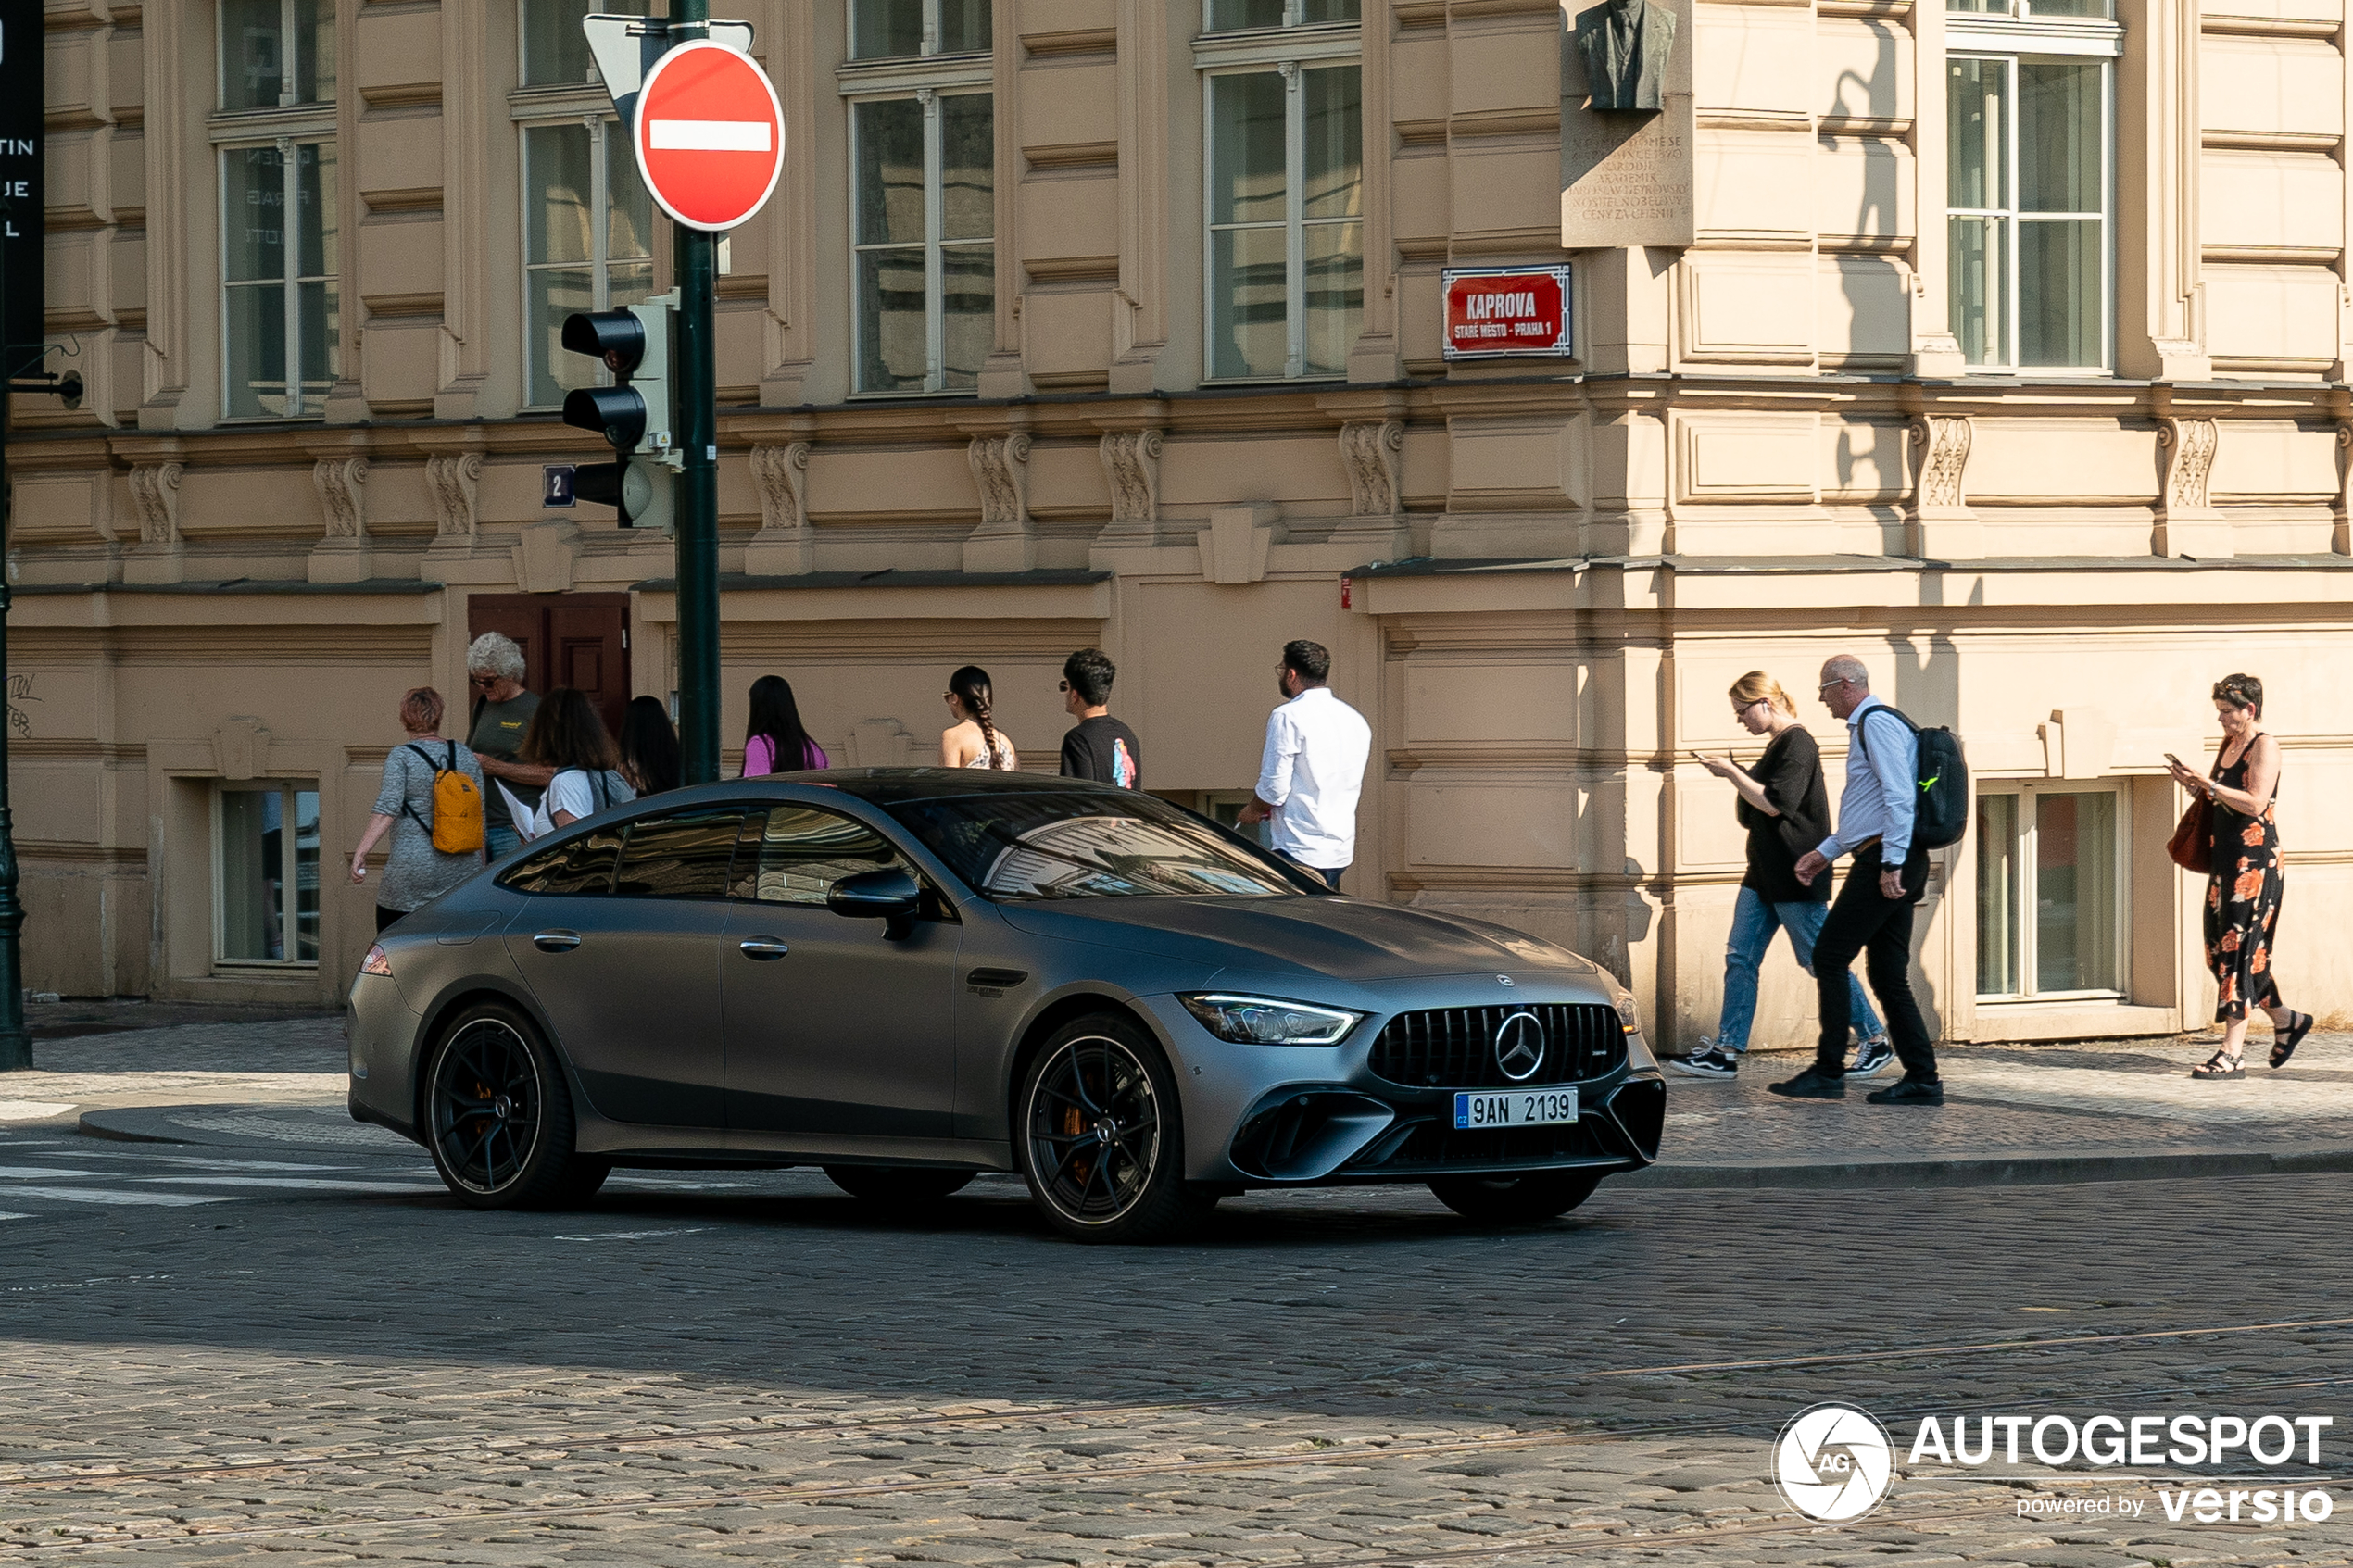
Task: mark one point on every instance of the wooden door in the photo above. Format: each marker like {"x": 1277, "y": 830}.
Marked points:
{"x": 567, "y": 640}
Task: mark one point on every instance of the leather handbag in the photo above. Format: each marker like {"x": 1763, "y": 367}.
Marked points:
{"x": 2192, "y": 845}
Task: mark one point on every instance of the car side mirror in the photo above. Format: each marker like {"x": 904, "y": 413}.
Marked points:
{"x": 887, "y": 895}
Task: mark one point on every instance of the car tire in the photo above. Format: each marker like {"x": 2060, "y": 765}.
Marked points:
{"x": 899, "y": 1186}
{"x": 498, "y": 1118}
{"x": 1515, "y": 1200}
{"x": 1100, "y": 1137}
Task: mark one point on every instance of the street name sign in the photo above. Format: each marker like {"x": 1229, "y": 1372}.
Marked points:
{"x": 710, "y": 135}
{"x": 1506, "y": 311}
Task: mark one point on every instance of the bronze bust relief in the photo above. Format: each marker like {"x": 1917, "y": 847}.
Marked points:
{"x": 1626, "y": 45}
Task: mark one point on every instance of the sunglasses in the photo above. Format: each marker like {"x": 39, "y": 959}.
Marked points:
{"x": 1828, "y": 684}
{"x": 1062, "y": 686}
{"x": 482, "y": 680}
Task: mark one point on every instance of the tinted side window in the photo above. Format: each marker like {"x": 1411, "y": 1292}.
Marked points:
{"x": 682, "y": 856}
{"x": 576, "y": 866}
{"x": 803, "y": 851}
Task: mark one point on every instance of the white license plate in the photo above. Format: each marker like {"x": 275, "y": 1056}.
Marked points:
{"x": 1516, "y": 1108}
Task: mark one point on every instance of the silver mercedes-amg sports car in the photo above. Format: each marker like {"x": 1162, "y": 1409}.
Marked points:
{"x": 911, "y": 975}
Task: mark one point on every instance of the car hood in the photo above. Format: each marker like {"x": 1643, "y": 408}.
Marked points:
{"x": 1345, "y": 938}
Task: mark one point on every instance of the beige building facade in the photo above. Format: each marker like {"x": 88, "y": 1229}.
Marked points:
{"x": 2007, "y": 350}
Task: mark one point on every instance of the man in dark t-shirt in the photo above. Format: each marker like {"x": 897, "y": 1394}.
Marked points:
{"x": 502, "y": 711}
{"x": 1102, "y": 747}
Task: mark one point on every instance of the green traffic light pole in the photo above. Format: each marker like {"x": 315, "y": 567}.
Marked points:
{"x": 15, "y": 1045}
{"x": 698, "y": 489}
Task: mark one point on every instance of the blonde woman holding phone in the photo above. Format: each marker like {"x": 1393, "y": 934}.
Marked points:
{"x": 1785, "y": 805}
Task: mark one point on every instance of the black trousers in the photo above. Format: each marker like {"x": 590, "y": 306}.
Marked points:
{"x": 1863, "y": 921}
{"x": 1328, "y": 875}
{"x": 385, "y": 917}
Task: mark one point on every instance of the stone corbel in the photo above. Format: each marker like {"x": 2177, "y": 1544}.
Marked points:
{"x": 1005, "y": 541}
{"x": 455, "y": 480}
{"x": 2341, "y": 534}
{"x": 1235, "y": 545}
{"x": 1372, "y": 454}
{"x": 786, "y": 545}
{"x": 2188, "y": 521}
{"x": 1131, "y": 466}
{"x": 155, "y": 488}
{"x": 1940, "y": 525}
{"x": 344, "y": 555}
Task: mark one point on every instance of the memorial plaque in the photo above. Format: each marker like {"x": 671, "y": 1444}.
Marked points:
{"x": 1626, "y": 175}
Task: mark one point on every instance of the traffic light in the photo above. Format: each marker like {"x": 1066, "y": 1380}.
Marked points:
{"x": 634, "y": 415}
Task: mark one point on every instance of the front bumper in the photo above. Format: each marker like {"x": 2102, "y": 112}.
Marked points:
{"x": 1296, "y": 1116}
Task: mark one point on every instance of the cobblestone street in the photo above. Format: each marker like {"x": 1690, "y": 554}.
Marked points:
{"x": 319, "y": 1359}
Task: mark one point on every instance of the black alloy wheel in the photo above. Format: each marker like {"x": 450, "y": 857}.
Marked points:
{"x": 1101, "y": 1143}
{"x": 1515, "y": 1200}
{"x": 898, "y": 1185}
{"x": 498, "y": 1119}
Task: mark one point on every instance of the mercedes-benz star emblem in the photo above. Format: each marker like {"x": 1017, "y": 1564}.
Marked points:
{"x": 1502, "y": 980}
{"x": 1519, "y": 1046}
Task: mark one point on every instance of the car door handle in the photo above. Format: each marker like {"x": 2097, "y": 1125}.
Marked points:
{"x": 763, "y": 948}
{"x": 556, "y": 941}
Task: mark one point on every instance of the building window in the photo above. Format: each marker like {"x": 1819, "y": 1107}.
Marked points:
{"x": 2031, "y": 108}
{"x": 2051, "y": 892}
{"x": 889, "y": 30}
{"x": 265, "y": 875}
{"x": 280, "y": 325}
{"x": 1283, "y": 199}
{"x": 587, "y": 242}
{"x": 924, "y": 207}
{"x": 276, "y": 53}
{"x": 555, "y": 51}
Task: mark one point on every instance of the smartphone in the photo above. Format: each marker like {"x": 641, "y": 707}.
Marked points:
{"x": 2175, "y": 761}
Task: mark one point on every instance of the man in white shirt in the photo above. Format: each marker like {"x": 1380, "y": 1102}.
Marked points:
{"x": 1314, "y": 766}
{"x": 1874, "y": 913}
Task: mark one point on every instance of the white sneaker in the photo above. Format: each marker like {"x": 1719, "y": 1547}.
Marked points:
{"x": 1872, "y": 1058}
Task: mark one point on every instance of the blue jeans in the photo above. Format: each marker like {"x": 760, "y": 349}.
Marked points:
{"x": 500, "y": 841}
{"x": 1754, "y": 922}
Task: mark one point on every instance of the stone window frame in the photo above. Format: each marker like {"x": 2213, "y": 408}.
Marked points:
{"x": 925, "y": 79}
{"x": 289, "y": 788}
{"x": 2012, "y": 35}
{"x": 1291, "y": 49}
{"x": 286, "y": 30}
{"x": 2023, "y": 894}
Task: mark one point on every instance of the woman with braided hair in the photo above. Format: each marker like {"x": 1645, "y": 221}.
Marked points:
{"x": 973, "y": 740}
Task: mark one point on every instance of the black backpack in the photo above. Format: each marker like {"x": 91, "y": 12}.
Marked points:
{"x": 1940, "y": 804}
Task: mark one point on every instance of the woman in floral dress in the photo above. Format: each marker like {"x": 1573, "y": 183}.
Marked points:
{"x": 2244, "y": 890}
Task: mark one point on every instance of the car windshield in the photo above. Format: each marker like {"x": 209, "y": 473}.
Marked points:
{"x": 1090, "y": 846}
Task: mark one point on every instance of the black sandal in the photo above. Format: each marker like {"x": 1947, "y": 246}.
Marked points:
{"x": 2284, "y": 1046}
{"x": 2221, "y": 1064}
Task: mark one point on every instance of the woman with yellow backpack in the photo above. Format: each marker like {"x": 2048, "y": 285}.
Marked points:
{"x": 431, "y": 803}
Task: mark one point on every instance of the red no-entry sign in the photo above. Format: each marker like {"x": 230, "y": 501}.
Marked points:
{"x": 711, "y": 136}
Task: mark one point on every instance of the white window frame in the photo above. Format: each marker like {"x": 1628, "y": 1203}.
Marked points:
{"x": 601, "y": 127}
{"x": 289, "y": 918}
{"x": 2022, "y": 892}
{"x": 926, "y": 84}
{"x": 927, "y": 48}
{"x": 2013, "y": 40}
{"x": 288, "y": 66}
{"x": 291, "y": 173}
{"x": 1289, "y": 49}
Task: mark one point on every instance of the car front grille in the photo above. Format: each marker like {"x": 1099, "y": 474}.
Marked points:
{"x": 1454, "y": 1048}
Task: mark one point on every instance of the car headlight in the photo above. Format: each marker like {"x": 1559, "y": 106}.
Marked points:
{"x": 375, "y": 962}
{"x": 1628, "y": 1016}
{"x": 1269, "y": 1021}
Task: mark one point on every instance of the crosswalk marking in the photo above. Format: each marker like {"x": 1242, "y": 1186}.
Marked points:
{"x": 110, "y": 1195}
{"x": 299, "y": 1184}
{"x": 37, "y": 1171}
{"x": 15, "y": 1216}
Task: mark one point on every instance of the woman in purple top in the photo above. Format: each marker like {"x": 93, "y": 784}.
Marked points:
{"x": 774, "y": 741}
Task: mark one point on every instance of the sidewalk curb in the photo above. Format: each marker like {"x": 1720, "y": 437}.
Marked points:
{"x": 2015, "y": 1169}
{"x": 154, "y": 1123}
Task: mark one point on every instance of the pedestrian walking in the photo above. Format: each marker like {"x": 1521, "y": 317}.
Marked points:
{"x": 1872, "y": 914}
{"x": 568, "y": 739}
{"x": 649, "y": 747}
{"x": 1312, "y": 768}
{"x": 494, "y": 731}
{"x": 972, "y": 738}
{"x": 1785, "y": 806}
{"x": 1101, "y": 748}
{"x": 774, "y": 741}
{"x": 2244, "y": 885}
{"x": 431, "y": 805}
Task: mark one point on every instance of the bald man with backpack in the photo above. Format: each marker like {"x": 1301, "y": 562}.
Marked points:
{"x": 1906, "y": 793}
